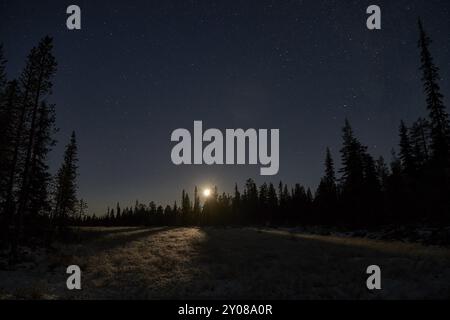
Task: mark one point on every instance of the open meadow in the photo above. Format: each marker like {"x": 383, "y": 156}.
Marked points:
{"x": 231, "y": 263}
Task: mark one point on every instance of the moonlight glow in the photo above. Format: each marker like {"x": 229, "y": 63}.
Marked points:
{"x": 207, "y": 192}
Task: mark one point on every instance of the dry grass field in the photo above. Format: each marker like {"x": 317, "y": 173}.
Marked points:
{"x": 231, "y": 263}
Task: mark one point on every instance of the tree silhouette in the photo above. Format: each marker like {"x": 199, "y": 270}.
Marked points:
{"x": 352, "y": 173}
{"x": 439, "y": 121}
{"x": 406, "y": 151}
{"x": 439, "y": 169}
{"x": 66, "y": 185}
{"x": 236, "y": 206}
{"x": 420, "y": 140}
{"x": 382, "y": 172}
{"x": 186, "y": 208}
{"x": 8, "y": 119}
{"x": 3, "y": 78}
{"x": 197, "y": 208}
{"x": 28, "y": 127}
{"x": 326, "y": 194}
{"x": 272, "y": 204}
{"x": 41, "y": 178}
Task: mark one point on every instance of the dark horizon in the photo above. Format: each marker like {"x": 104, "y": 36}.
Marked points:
{"x": 137, "y": 71}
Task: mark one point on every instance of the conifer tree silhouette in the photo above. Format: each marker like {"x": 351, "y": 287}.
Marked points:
{"x": 439, "y": 120}
{"x": 66, "y": 186}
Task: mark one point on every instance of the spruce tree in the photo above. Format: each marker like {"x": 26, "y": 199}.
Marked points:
{"x": 263, "y": 203}
{"x": 371, "y": 191}
{"x": 406, "y": 151}
{"x": 272, "y": 200}
{"x": 283, "y": 203}
{"x": 35, "y": 85}
{"x": 40, "y": 177}
{"x": 329, "y": 179}
{"x": 326, "y": 194}
{"x": 236, "y": 205}
{"x": 439, "y": 120}
{"x": 382, "y": 173}
{"x": 82, "y": 209}
{"x": 419, "y": 136}
{"x": 358, "y": 178}
{"x": 38, "y": 140}
{"x": 2, "y": 71}
{"x": 66, "y": 184}
{"x": 352, "y": 163}
{"x": 8, "y": 121}
{"x": 9, "y": 96}
{"x": 118, "y": 210}
{"x": 196, "y": 209}
{"x": 186, "y": 208}
{"x": 297, "y": 198}
{"x": 250, "y": 202}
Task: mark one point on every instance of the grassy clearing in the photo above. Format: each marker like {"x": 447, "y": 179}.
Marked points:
{"x": 214, "y": 263}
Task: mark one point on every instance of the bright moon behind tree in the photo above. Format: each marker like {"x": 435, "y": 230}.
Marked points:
{"x": 207, "y": 192}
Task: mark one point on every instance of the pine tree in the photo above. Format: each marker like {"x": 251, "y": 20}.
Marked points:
{"x": 263, "y": 203}
{"x": 8, "y": 120}
{"x": 298, "y": 196}
{"x": 175, "y": 213}
{"x": 186, "y": 207}
{"x": 282, "y": 205}
{"x": 287, "y": 205}
{"x": 406, "y": 151}
{"x": 38, "y": 136}
{"x": 40, "y": 178}
{"x": 2, "y": 71}
{"x": 250, "y": 202}
{"x": 396, "y": 165}
{"x": 439, "y": 120}
{"x": 382, "y": 173}
{"x": 395, "y": 190}
{"x": 118, "y": 210}
{"x": 419, "y": 137}
{"x": 66, "y": 184}
{"x": 224, "y": 209}
{"x": 8, "y": 100}
{"x": 35, "y": 85}
{"x": 371, "y": 191}
{"x": 236, "y": 203}
{"x": 309, "y": 198}
{"x": 329, "y": 180}
{"x": 352, "y": 163}
{"x": 272, "y": 200}
{"x": 82, "y": 208}
{"x": 326, "y": 194}
{"x": 329, "y": 169}
{"x": 196, "y": 209}
{"x": 358, "y": 178}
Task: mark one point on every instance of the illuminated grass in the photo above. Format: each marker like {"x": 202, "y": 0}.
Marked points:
{"x": 213, "y": 263}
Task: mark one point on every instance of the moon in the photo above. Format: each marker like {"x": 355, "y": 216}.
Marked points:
{"x": 207, "y": 192}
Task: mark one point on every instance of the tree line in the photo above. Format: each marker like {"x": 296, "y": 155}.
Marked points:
{"x": 413, "y": 188}
{"x": 32, "y": 201}
{"x": 366, "y": 191}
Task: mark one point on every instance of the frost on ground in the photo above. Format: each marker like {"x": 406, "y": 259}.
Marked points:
{"x": 231, "y": 263}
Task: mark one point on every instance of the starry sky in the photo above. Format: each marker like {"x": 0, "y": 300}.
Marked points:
{"x": 140, "y": 69}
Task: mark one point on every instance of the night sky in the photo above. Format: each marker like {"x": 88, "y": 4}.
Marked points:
{"x": 140, "y": 69}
